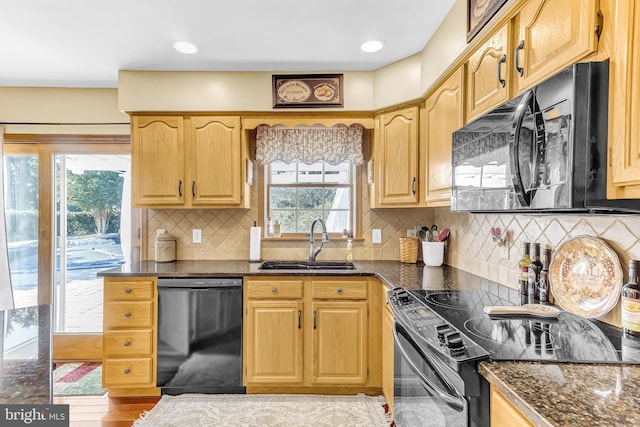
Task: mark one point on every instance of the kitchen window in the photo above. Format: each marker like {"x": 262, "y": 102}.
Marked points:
{"x": 297, "y": 193}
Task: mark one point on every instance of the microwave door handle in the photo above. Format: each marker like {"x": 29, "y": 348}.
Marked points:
{"x": 456, "y": 402}
{"x": 514, "y": 143}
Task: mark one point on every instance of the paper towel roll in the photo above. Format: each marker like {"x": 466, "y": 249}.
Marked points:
{"x": 254, "y": 244}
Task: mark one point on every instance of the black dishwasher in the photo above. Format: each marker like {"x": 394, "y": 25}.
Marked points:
{"x": 200, "y": 335}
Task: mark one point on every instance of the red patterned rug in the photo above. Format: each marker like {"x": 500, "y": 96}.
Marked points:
{"x": 78, "y": 379}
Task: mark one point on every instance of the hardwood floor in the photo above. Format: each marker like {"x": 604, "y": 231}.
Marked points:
{"x": 104, "y": 411}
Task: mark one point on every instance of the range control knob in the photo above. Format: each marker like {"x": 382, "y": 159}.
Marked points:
{"x": 442, "y": 330}
{"x": 454, "y": 343}
{"x": 402, "y": 295}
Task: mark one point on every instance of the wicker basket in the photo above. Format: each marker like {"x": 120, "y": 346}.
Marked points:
{"x": 409, "y": 249}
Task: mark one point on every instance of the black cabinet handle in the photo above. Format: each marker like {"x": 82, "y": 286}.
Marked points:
{"x": 127, "y": 371}
{"x": 516, "y": 60}
{"x": 127, "y": 291}
{"x": 339, "y": 290}
{"x": 274, "y": 290}
{"x": 127, "y": 343}
{"x": 180, "y": 188}
{"x": 127, "y": 314}
{"x": 314, "y": 319}
{"x": 299, "y": 319}
{"x": 413, "y": 186}
{"x": 193, "y": 188}
{"x": 503, "y": 59}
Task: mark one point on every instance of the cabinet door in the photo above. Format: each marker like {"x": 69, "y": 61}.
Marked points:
{"x": 399, "y": 158}
{"x": 504, "y": 414}
{"x": 553, "y": 34}
{"x": 387, "y": 355}
{"x": 444, "y": 115}
{"x": 216, "y": 161}
{"x": 624, "y": 140}
{"x": 157, "y": 154}
{"x": 339, "y": 342}
{"x": 487, "y": 74}
{"x": 274, "y": 346}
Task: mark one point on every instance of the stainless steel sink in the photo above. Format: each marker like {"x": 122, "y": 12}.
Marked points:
{"x": 307, "y": 265}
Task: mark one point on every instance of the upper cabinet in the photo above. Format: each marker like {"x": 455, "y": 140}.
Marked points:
{"x": 624, "y": 93}
{"x": 550, "y": 36}
{"x": 444, "y": 114}
{"x": 487, "y": 74}
{"x": 396, "y": 159}
{"x": 157, "y": 156}
{"x": 188, "y": 162}
{"x": 215, "y": 160}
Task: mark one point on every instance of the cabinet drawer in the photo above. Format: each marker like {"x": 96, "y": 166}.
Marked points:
{"x": 128, "y": 315}
{"x": 123, "y": 290}
{"x": 339, "y": 290}
{"x": 128, "y": 372}
{"x": 127, "y": 343}
{"x": 274, "y": 289}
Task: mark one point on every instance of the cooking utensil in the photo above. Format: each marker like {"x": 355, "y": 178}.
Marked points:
{"x": 444, "y": 235}
{"x": 535, "y": 310}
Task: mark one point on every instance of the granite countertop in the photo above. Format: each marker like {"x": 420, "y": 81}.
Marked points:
{"x": 569, "y": 394}
{"x": 25, "y": 370}
{"x": 548, "y": 394}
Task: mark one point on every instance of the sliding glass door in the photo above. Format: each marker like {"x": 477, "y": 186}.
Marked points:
{"x": 69, "y": 216}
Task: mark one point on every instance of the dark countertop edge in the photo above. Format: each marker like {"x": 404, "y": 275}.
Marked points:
{"x": 484, "y": 368}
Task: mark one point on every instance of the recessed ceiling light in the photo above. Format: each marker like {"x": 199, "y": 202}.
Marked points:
{"x": 372, "y": 46}
{"x": 185, "y": 47}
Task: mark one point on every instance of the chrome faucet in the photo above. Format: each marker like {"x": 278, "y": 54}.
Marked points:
{"x": 313, "y": 253}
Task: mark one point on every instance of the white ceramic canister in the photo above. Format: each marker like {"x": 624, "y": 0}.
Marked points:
{"x": 165, "y": 246}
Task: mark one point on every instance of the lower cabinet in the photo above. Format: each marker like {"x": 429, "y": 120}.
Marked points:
{"x": 129, "y": 336}
{"x": 309, "y": 332}
{"x": 504, "y": 414}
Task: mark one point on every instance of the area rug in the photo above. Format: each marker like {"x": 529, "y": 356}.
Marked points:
{"x": 78, "y": 379}
{"x": 266, "y": 410}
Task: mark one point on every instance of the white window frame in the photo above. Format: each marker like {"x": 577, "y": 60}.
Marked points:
{"x": 355, "y": 193}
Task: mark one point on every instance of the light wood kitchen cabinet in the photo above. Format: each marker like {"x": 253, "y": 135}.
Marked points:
{"x": 339, "y": 351}
{"x": 274, "y": 343}
{"x": 273, "y": 337}
{"x": 444, "y": 115}
{"x": 387, "y": 352}
{"x": 157, "y": 161}
{"x": 504, "y": 414}
{"x": 307, "y": 333}
{"x": 488, "y": 74}
{"x": 397, "y": 162}
{"x": 624, "y": 92}
{"x": 188, "y": 162}
{"x": 551, "y": 35}
{"x": 129, "y": 336}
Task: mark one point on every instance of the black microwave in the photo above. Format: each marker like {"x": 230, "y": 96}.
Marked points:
{"x": 543, "y": 151}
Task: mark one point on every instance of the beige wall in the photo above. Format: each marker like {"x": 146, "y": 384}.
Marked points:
{"x": 62, "y": 110}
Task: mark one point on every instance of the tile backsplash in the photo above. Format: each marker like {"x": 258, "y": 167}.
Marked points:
{"x": 225, "y": 235}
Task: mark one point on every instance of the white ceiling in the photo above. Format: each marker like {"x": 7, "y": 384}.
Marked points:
{"x": 83, "y": 43}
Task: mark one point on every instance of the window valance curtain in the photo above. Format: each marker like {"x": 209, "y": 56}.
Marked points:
{"x": 333, "y": 145}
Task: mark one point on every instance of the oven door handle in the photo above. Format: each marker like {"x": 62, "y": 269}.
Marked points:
{"x": 457, "y": 402}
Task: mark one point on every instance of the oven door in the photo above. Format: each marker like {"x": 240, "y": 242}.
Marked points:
{"x": 426, "y": 392}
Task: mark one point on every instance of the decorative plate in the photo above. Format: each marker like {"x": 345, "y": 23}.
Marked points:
{"x": 585, "y": 277}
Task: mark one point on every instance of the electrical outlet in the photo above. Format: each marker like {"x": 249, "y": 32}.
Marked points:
{"x": 411, "y": 232}
{"x": 197, "y": 235}
{"x": 376, "y": 235}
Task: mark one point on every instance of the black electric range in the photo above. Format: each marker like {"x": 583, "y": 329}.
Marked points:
{"x": 569, "y": 338}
